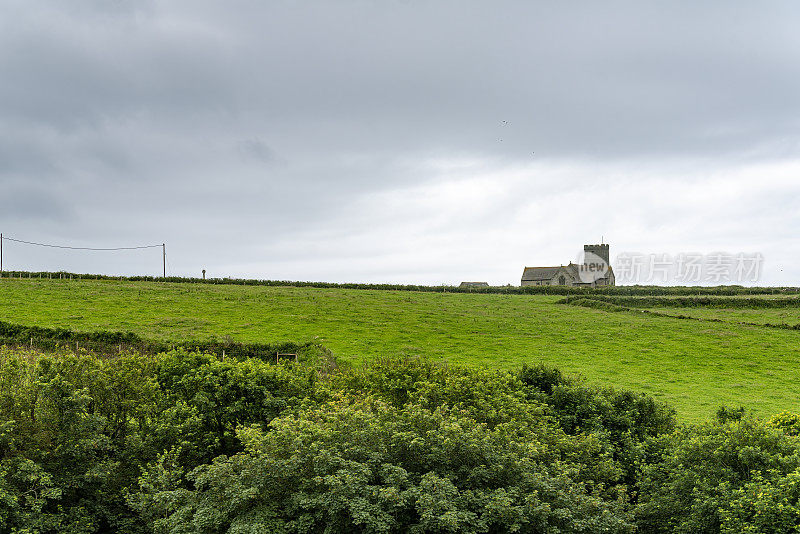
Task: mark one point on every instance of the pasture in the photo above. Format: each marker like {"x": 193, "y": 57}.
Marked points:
{"x": 694, "y": 365}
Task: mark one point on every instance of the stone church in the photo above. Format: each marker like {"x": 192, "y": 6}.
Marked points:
{"x": 586, "y": 275}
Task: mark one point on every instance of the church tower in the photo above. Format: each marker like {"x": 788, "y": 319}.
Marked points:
{"x": 600, "y": 251}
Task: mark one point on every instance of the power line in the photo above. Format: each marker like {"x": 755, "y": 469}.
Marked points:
{"x": 162, "y": 246}
{"x": 78, "y": 248}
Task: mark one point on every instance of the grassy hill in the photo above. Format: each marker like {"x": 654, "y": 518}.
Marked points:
{"x": 694, "y": 365}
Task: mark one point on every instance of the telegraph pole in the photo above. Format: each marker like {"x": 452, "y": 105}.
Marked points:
{"x": 164, "y": 258}
{"x": 1, "y": 255}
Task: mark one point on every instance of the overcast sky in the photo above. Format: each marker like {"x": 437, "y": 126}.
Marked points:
{"x": 397, "y": 141}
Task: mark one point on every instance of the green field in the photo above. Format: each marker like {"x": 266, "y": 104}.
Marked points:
{"x": 694, "y": 365}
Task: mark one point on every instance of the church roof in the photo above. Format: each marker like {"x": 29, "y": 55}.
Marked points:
{"x": 536, "y": 274}
{"x": 531, "y": 274}
{"x": 573, "y": 268}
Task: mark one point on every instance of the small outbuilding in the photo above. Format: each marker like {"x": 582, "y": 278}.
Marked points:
{"x": 473, "y": 285}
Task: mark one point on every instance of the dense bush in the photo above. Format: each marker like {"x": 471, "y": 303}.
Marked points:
{"x": 787, "y": 421}
{"x": 732, "y": 476}
{"x": 76, "y": 430}
{"x": 362, "y": 465}
{"x": 186, "y": 442}
{"x": 623, "y": 420}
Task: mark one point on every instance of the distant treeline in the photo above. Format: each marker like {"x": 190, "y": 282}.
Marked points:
{"x": 502, "y": 290}
{"x": 110, "y": 342}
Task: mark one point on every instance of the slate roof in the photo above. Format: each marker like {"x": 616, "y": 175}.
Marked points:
{"x": 534, "y": 274}
{"x": 573, "y": 269}
{"x": 540, "y": 274}
{"x": 474, "y": 284}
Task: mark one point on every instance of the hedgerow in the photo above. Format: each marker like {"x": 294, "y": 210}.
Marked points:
{"x": 113, "y": 342}
{"x": 632, "y": 290}
{"x": 686, "y": 301}
{"x": 637, "y": 305}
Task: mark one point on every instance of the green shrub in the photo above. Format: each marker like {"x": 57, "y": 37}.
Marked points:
{"x": 217, "y": 396}
{"x": 721, "y": 477}
{"x": 787, "y": 421}
{"x": 366, "y": 466}
{"x": 188, "y": 442}
{"x": 726, "y": 413}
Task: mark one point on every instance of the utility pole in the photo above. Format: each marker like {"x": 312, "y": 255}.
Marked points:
{"x": 1, "y": 255}
{"x": 164, "y": 258}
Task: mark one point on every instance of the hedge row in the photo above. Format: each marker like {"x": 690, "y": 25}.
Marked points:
{"x": 696, "y": 302}
{"x": 608, "y": 306}
{"x": 503, "y": 290}
{"x": 110, "y": 342}
{"x": 596, "y": 304}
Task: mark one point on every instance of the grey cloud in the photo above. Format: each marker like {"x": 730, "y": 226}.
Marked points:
{"x": 257, "y": 150}
{"x": 17, "y": 156}
{"x": 592, "y": 80}
{"x": 254, "y": 124}
{"x": 26, "y": 203}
